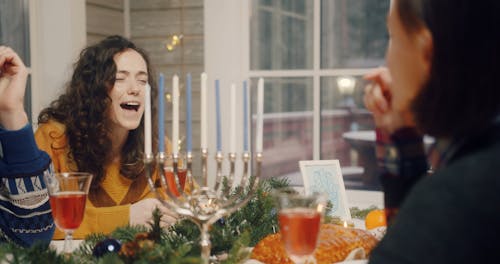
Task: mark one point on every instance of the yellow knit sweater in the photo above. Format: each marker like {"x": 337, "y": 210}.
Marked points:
{"x": 50, "y": 137}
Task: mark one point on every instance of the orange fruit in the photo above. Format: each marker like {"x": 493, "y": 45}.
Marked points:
{"x": 375, "y": 218}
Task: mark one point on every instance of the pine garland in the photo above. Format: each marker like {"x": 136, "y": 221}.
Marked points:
{"x": 38, "y": 253}
{"x": 361, "y": 213}
{"x": 179, "y": 244}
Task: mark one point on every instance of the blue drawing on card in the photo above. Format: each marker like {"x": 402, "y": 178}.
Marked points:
{"x": 322, "y": 179}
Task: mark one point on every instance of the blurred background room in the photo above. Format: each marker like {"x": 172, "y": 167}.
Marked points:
{"x": 311, "y": 53}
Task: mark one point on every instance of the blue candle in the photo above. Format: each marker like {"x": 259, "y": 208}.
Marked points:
{"x": 189, "y": 144}
{"x": 161, "y": 113}
{"x": 217, "y": 112}
{"x": 245, "y": 117}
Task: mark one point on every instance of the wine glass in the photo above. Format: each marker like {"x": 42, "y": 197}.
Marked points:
{"x": 173, "y": 183}
{"x": 300, "y": 219}
{"x": 68, "y": 194}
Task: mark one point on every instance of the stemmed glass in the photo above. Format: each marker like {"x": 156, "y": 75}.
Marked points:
{"x": 300, "y": 219}
{"x": 172, "y": 181}
{"x": 68, "y": 193}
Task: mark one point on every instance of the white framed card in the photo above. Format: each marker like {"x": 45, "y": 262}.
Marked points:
{"x": 325, "y": 176}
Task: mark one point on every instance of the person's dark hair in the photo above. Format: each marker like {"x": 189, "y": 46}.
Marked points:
{"x": 84, "y": 110}
{"x": 462, "y": 95}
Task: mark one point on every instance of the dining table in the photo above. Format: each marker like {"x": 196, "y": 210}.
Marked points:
{"x": 362, "y": 199}
{"x": 58, "y": 245}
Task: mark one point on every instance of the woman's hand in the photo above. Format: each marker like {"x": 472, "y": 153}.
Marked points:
{"x": 141, "y": 213}
{"x": 377, "y": 99}
{"x": 13, "y": 77}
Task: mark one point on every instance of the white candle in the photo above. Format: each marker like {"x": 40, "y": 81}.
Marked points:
{"x": 218, "y": 130}
{"x": 147, "y": 120}
{"x": 260, "y": 113}
{"x": 189, "y": 145}
{"x": 232, "y": 135}
{"x": 203, "y": 111}
{"x": 245, "y": 117}
{"x": 161, "y": 113}
{"x": 175, "y": 117}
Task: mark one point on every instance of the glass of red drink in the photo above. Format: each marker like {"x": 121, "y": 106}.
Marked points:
{"x": 300, "y": 219}
{"x": 173, "y": 182}
{"x": 68, "y": 194}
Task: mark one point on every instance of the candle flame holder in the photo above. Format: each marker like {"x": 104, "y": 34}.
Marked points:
{"x": 201, "y": 203}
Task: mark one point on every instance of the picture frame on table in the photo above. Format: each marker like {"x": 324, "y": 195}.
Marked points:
{"x": 325, "y": 176}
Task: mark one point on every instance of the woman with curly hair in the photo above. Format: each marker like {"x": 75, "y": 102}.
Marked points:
{"x": 96, "y": 126}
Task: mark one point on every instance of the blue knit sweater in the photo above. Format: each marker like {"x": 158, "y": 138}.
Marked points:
{"x": 25, "y": 216}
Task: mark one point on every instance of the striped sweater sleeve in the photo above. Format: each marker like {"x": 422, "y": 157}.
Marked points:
{"x": 25, "y": 215}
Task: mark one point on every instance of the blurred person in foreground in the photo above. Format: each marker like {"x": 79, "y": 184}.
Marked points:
{"x": 442, "y": 80}
{"x": 25, "y": 215}
{"x": 97, "y": 126}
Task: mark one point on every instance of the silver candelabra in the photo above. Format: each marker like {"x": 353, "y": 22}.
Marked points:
{"x": 199, "y": 202}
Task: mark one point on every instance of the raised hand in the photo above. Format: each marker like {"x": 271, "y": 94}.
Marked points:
{"x": 13, "y": 77}
{"x": 141, "y": 212}
{"x": 378, "y": 100}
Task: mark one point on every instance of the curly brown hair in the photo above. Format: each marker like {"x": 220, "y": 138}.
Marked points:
{"x": 83, "y": 108}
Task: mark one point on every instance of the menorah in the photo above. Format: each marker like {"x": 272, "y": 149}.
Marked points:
{"x": 201, "y": 203}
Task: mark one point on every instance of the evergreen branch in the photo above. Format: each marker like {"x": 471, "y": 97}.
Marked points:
{"x": 361, "y": 213}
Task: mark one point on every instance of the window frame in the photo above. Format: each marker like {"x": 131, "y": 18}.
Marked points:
{"x": 316, "y": 73}
{"x": 227, "y": 57}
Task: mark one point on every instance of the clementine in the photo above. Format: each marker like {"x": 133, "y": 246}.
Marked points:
{"x": 375, "y": 218}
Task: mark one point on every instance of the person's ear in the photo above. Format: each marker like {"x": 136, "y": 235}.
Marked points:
{"x": 426, "y": 47}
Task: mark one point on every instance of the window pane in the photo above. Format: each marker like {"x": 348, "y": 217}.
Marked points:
{"x": 343, "y": 112}
{"x": 354, "y": 33}
{"x": 288, "y": 124}
{"x": 266, "y": 2}
{"x": 298, "y": 7}
{"x": 14, "y": 32}
{"x": 281, "y": 35}
{"x": 14, "y": 27}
